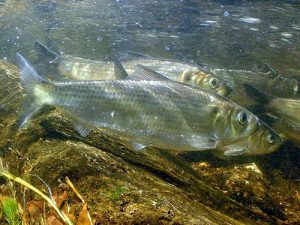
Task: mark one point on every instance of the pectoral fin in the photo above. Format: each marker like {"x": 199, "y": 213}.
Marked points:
{"x": 202, "y": 143}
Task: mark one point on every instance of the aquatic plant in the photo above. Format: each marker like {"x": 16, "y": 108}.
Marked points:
{"x": 52, "y": 203}
{"x": 11, "y": 211}
{"x": 116, "y": 194}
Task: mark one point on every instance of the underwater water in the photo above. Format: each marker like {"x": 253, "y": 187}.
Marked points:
{"x": 224, "y": 33}
{"x": 226, "y": 38}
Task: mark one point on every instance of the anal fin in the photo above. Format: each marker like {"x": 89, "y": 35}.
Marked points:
{"x": 82, "y": 127}
{"x": 82, "y": 130}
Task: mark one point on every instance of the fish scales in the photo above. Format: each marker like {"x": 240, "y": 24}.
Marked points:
{"x": 125, "y": 94}
{"x": 95, "y": 101}
{"x": 83, "y": 69}
{"x": 154, "y": 112}
{"x": 76, "y": 68}
{"x": 271, "y": 83}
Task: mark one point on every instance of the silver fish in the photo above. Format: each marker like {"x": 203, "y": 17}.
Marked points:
{"x": 259, "y": 143}
{"x": 158, "y": 113}
{"x": 267, "y": 80}
{"x": 287, "y": 117}
{"x": 283, "y": 111}
{"x": 77, "y": 68}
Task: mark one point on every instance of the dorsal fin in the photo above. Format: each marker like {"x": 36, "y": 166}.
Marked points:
{"x": 144, "y": 73}
{"x": 120, "y": 72}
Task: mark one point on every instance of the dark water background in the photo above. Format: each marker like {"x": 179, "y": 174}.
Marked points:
{"x": 224, "y": 33}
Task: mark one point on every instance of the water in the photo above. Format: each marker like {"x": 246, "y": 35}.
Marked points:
{"x": 224, "y": 33}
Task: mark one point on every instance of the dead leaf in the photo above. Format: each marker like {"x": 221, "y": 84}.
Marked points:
{"x": 84, "y": 217}
{"x": 53, "y": 220}
{"x": 60, "y": 199}
{"x": 35, "y": 208}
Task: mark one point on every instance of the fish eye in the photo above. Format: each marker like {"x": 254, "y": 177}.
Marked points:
{"x": 242, "y": 117}
{"x": 213, "y": 83}
{"x": 270, "y": 138}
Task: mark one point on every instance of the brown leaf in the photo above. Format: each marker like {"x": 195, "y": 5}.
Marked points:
{"x": 35, "y": 208}
{"x": 60, "y": 199}
{"x": 84, "y": 216}
{"x": 72, "y": 217}
{"x": 53, "y": 220}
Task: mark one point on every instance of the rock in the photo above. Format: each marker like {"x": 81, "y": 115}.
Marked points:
{"x": 123, "y": 186}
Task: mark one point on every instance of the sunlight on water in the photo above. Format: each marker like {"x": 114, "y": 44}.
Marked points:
{"x": 222, "y": 34}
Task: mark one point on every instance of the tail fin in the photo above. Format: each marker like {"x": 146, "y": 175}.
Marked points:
{"x": 257, "y": 95}
{"x": 29, "y": 79}
{"x": 44, "y": 50}
{"x": 29, "y": 76}
{"x": 260, "y": 66}
{"x": 261, "y": 109}
{"x": 261, "y": 98}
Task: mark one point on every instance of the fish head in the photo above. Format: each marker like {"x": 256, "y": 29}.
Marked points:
{"x": 234, "y": 123}
{"x": 263, "y": 141}
{"x": 207, "y": 81}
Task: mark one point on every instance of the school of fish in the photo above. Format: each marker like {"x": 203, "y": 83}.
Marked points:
{"x": 152, "y": 102}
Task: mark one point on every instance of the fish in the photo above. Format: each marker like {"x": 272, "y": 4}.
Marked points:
{"x": 77, "y": 68}
{"x": 159, "y": 113}
{"x": 284, "y": 113}
{"x": 287, "y": 117}
{"x": 259, "y": 143}
{"x": 263, "y": 78}
{"x": 287, "y": 109}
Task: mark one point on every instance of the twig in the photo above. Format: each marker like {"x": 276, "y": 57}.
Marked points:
{"x": 49, "y": 190}
{"x": 46, "y": 198}
{"x": 74, "y": 189}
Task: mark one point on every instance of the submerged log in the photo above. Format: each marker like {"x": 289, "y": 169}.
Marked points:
{"x": 123, "y": 186}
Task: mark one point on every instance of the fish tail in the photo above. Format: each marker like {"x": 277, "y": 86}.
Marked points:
{"x": 45, "y": 51}
{"x": 30, "y": 81}
{"x": 257, "y": 95}
{"x": 262, "y": 107}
